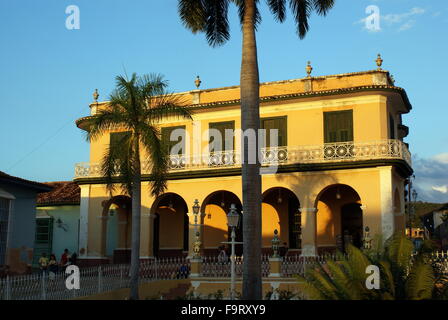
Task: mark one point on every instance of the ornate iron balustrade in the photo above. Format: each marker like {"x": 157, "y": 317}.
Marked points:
{"x": 326, "y": 153}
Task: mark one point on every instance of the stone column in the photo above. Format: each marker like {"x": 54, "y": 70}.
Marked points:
{"x": 146, "y": 236}
{"x": 275, "y": 267}
{"x": 196, "y": 265}
{"x": 308, "y": 232}
{"x": 387, "y": 211}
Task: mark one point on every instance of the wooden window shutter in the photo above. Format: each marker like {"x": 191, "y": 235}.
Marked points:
{"x": 166, "y": 135}
{"x": 338, "y": 126}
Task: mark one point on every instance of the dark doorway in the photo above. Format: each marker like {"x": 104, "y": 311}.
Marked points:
{"x": 351, "y": 224}
{"x": 186, "y": 231}
{"x": 294, "y": 223}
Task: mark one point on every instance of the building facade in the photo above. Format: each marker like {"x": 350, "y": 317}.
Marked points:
{"x": 339, "y": 165}
{"x": 57, "y": 220}
{"x": 17, "y": 222}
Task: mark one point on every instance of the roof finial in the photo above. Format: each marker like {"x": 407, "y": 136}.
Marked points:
{"x": 96, "y": 95}
{"x": 309, "y": 69}
{"x": 198, "y": 82}
{"x": 379, "y": 62}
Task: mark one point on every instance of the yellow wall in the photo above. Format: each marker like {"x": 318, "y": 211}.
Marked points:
{"x": 305, "y": 125}
{"x": 171, "y": 228}
{"x": 306, "y": 186}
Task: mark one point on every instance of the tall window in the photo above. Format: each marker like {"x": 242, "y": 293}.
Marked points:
{"x": 391, "y": 127}
{"x": 278, "y": 123}
{"x": 338, "y": 126}
{"x": 44, "y": 238}
{"x": 221, "y": 142}
{"x": 166, "y": 138}
{"x": 117, "y": 137}
{"x": 4, "y": 220}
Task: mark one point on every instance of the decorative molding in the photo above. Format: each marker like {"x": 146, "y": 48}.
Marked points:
{"x": 304, "y": 168}
{"x": 308, "y": 210}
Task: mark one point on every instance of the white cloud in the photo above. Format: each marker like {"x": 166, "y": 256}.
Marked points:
{"x": 402, "y": 17}
{"x": 404, "y": 21}
{"x": 408, "y": 25}
{"x": 442, "y": 158}
{"x": 432, "y": 177}
{"x": 441, "y": 189}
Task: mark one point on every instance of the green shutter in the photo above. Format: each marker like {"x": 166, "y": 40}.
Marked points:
{"x": 338, "y": 126}
{"x": 227, "y": 142}
{"x": 43, "y": 239}
{"x": 278, "y": 123}
{"x": 166, "y": 134}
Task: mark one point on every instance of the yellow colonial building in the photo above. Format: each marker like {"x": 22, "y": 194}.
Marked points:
{"x": 340, "y": 166}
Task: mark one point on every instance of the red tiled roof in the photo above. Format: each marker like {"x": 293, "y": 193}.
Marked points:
{"x": 63, "y": 193}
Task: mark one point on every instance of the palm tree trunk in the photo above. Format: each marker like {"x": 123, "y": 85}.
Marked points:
{"x": 250, "y": 118}
{"x": 136, "y": 209}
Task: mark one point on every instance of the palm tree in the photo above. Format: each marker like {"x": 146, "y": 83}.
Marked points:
{"x": 135, "y": 108}
{"x": 403, "y": 275}
{"x": 211, "y": 18}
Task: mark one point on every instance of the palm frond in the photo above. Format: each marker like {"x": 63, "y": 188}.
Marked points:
{"x": 387, "y": 278}
{"x": 342, "y": 281}
{"x": 323, "y": 6}
{"x": 420, "y": 282}
{"x": 150, "y": 139}
{"x": 116, "y": 163}
{"x": 167, "y": 105}
{"x": 301, "y": 10}
{"x": 104, "y": 121}
{"x": 399, "y": 251}
{"x": 151, "y": 85}
{"x": 278, "y": 9}
{"x": 318, "y": 277}
{"x": 308, "y": 288}
{"x": 217, "y": 22}
{"x": 358, "y": 262}
{"x": 193, "y": 14}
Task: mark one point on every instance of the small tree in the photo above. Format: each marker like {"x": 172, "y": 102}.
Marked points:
{"x": 135, "y": 107}
{"x": 403, "y": 275}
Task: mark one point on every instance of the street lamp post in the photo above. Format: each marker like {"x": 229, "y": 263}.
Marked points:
{"x": 232, "y": 221}
{"x": 197, "y": 243}
{"x": 412, "y": 211}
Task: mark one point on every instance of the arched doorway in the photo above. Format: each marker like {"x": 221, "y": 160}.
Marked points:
{"x": 214, "y": 212}
{"x": 118, "y": 226}
{"x": 351, "y": 224}
{"x": 280, "y": 210}
{"x": 339, "y": 218}
{"x": 170, "y": 227}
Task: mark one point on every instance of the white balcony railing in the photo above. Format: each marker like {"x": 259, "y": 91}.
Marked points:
{"x": 326, "y": 153}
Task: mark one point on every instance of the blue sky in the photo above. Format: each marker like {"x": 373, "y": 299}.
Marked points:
{"x": 48, "y": 73}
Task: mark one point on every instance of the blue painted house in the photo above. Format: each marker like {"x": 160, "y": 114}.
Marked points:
{"x": 18, "y": 222}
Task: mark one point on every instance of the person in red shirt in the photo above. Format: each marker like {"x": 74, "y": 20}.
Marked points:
{"x": 65, "y": 258}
